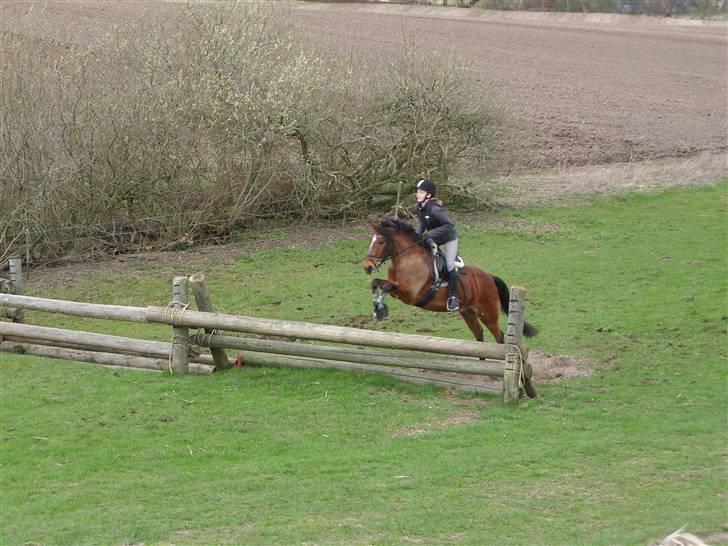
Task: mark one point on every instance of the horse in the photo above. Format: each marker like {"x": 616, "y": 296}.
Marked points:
{"x": 410, "y": 280}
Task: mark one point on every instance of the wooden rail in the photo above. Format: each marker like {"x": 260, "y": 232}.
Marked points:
{"x": 420, "y": 359}
{"x": 329, "y": 333}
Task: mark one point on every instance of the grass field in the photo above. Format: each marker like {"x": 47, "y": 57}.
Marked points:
{"x": 636, "y": 284}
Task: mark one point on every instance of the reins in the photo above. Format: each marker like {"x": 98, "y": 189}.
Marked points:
{"x": 381, "y": 261}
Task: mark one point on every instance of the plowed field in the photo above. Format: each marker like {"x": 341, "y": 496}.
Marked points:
{"x": 583, "y": 89}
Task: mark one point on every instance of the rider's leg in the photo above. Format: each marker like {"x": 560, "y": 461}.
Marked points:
{"x": 450, "y": 250}
{"x": 453, "y": 303}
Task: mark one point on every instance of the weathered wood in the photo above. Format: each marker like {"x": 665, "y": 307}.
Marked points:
{"x": 512, "y": 365}
{"x": 157, "y": 349}
{"x": 198, "y": 359}
{"x": 335, "y": 334}
{"x": 78, "y": 309}
{"x": 16, "y": 278}
{"x": 73, "y": 339}
{"x": 204, "y": 303}
{"x": 180, "y": 335}
{"x": 106, "y": 359}
{"x": 252, "y": 358}
{"x": 253, "y": 325}
{"x": 16, "y": 273}
{"x": 513, "y": 360}
{"x": 363, "y": 356}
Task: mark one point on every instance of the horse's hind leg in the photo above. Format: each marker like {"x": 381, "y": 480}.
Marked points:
{"x": 489, "y": 308}
{"x": 491, "y": 323}
{"x": 471, "y": 319}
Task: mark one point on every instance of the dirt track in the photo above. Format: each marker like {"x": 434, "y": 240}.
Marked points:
{"x": 583, "y": 89}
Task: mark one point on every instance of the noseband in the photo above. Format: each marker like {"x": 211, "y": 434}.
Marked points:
{"x": 381, "y": 260}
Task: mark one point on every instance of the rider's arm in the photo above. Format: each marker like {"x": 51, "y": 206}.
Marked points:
{"x": 445, "y": 230}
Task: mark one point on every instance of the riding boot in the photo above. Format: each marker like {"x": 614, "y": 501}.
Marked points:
{"x": 453, "y": 304}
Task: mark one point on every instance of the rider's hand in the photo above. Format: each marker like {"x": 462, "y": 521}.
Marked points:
{"x": 431, "y": 245}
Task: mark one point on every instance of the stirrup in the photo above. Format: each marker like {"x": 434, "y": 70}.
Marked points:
{"x": 453, "y": 304}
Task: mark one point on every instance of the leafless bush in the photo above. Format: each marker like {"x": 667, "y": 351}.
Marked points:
{"x": 189, "y": 126}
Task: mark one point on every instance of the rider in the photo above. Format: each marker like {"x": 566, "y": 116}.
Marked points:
{"x": 437, "y": 227}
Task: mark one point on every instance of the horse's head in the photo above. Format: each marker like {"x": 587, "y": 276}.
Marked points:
{"x": 390, "y": 237}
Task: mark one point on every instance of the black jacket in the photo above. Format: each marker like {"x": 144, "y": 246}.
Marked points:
{"x": 435, "y": 222}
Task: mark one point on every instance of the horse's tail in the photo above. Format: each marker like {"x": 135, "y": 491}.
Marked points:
{"x": 504, "y": 294}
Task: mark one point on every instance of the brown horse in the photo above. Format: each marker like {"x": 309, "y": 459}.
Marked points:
{"x": 410, "y": 279}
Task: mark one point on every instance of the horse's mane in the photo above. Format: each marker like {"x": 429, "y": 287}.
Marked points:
{"x": 395, "y": 224}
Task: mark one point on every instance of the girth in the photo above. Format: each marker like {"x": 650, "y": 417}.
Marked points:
{"x": 431, "y": 293}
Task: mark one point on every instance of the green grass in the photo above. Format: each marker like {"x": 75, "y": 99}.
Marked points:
{"x": 626, "y": 455}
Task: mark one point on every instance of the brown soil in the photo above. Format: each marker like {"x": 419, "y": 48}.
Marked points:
{"x": 582, "y": 89}
{"x": 597, "y": 102}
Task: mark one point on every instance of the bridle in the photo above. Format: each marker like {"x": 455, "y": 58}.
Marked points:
{"x": 381, "y": 260}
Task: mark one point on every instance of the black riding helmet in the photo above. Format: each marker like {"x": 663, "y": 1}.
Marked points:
{"x": 427, "y": 185}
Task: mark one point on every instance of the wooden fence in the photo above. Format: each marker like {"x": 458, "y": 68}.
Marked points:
{"x": 449, "y": 363}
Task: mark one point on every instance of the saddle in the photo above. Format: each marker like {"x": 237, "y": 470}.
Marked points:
{"x": 439, "y": 269}
{"x": 439, "y": 274}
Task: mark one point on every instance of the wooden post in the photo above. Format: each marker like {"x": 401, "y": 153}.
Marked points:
{"x": 16, "y": 274}
{"x": 180, "y": 335}
{"x": 16, "y": 277}
{"x": 513, "y": 366}
{"x": 202, "y": 297}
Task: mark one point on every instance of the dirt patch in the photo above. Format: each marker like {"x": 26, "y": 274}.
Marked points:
{"x": 549, "y": 367}
{"x": 459, "y": 418}
{"x": 546, "y": 367}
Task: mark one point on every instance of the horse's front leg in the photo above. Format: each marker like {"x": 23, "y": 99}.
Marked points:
{"x": 380, "y": 290}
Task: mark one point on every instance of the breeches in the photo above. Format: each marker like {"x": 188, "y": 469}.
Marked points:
{"x": 450, "y": 250}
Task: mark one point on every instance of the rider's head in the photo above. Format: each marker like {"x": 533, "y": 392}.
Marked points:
{"x": 424, "y": 190}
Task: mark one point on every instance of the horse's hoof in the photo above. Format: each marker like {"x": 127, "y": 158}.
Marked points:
{"x": 381, "y": 312}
